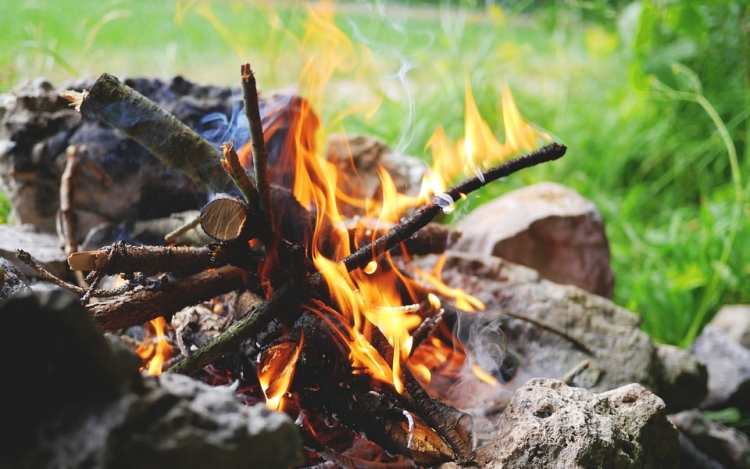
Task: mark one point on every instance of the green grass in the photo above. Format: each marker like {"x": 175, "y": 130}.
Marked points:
{"x": 665, "y": 161}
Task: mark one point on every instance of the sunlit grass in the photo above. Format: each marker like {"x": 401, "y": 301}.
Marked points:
{"x": 676, "y": 220}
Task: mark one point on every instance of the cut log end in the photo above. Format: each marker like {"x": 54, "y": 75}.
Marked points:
{"x": 224, "y": 219}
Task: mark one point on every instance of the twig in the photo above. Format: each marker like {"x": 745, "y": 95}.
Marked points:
{"x": 282, "y": 299}
{"x": 427, "y": 213}
{"x": 174, "y": 235}
{"x": 260, "y": 155}
{"x": 568, "y": 377}
{"x": 554, "y": 329}
{"x": 233, "y": 167}
{"x": 425, "y": 329}
{"x": 67, "y": 216}
{"x": 48, "y": 276}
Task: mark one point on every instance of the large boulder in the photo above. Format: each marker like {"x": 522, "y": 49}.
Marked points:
{"x": 728, "y": 446}
{"x": 78, "y": 401}
{"x": 728, "y": 365}
{"x": 547, "y": 227}
{"x": 619, "y": 352}
{"x": 734, "y": 321}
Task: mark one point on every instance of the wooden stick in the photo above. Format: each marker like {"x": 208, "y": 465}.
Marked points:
{"x": 260, "y": 155}
{"x": 149, "y": 260}
{"x": 161, "y": 133}
{"x": 142, "y": 305}
{"x": 67, "y": 216}
{"x": 427, "y": 213}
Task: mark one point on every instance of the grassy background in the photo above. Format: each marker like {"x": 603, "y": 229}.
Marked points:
{"x": 651, "y": 98}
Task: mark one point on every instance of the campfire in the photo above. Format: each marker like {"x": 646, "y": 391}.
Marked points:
{"x": 308, "y": 298}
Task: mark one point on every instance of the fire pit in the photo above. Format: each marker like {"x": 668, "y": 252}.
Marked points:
{"x": 308, "y": 283}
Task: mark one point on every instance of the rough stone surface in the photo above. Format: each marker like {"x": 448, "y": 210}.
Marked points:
{"x": 550, "y": 425}
{"x": 728, "y": 446}
{"x": 678, "y": 371}
{"x": 77, "y": 401}
{"x": 693, "y": 458}
{"x": 46, "y": 248}
{"x": 728, "y": 365}
{"x": 621, "y": 352}
{"x": 547, "y": 227}
{"x": 734, "y": 321}
{"x": 13, "y": 280}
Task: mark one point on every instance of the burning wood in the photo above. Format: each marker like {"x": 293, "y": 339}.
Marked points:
{"x": 333, "y": 302}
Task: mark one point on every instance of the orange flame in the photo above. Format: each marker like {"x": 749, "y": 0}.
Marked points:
{"x": 370, "y": 297}
{"x": 154, "y": 350}
{"x": 276, "y": 370}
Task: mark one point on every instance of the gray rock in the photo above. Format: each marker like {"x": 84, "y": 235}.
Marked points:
{"x": 78, "y": 401}
{"x": 734, "y": 321}
{"x": 728, "y": 365}
{"x": 547, "y": 227}
{"x": 550, "y": 425}
{"x": 693, "y": 458}
{"x": 728, "y": 446}
{"x": 46, "y": 249}
{"x": 620, "y": 352}
{"x": 678, "y": 371}
{"x": 12, "y": 280}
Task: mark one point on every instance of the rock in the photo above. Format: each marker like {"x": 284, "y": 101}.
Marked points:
{"x": 182, "y": 422}
{"x": 12, "y": 280}
{"x": 728, "y": 446}
{"x": 728, "y": 365}
{"x": 693, "y": 458}
{"x": 78, "y": 401}
{"x": 547, "y": 227}
{"x": 734, "y": 321}
{"x": 678, "y": 371}
{"x": 44, "y": 247}
{"x": 357, "y": 160}
{"x": 550, "y": 425}
{"x": 620, "y": 352}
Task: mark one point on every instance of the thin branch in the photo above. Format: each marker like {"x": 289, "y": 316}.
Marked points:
{"x": 48, "y": 276}
{"x": 149, "y": 260}
{"x": 174, "y": 235}
{"x": 554, "y": 329}
{"x": 260, "y": 155}
{"x": 166, "y": 297}
{"x": 427, "y": 213}
{"x": 67, "y": 217}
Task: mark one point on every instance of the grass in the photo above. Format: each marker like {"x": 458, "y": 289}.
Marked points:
{"x": 666, "y": 164}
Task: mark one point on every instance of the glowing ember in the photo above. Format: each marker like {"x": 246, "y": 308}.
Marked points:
{"x": 154, "y": 350}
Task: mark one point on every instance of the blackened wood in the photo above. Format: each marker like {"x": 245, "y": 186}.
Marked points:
{"x": 145, "y": 304}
